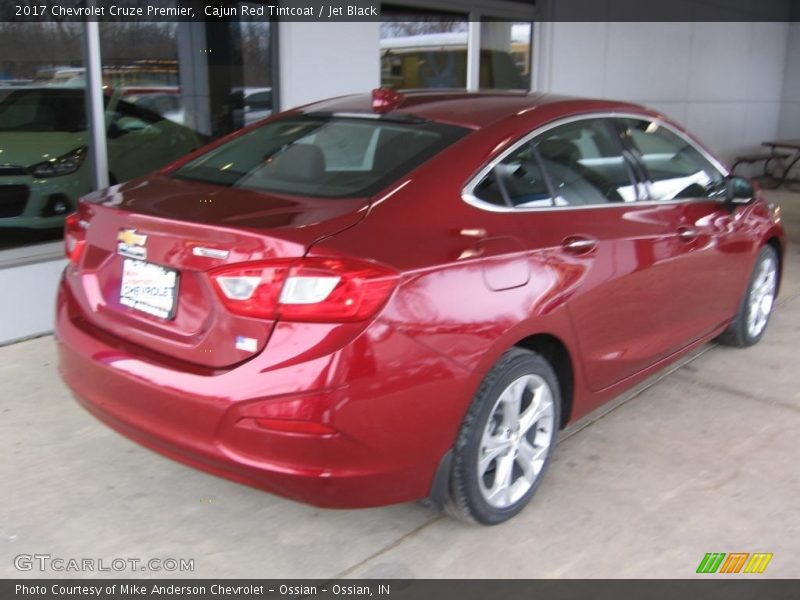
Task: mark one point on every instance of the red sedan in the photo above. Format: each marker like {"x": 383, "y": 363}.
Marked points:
{"x": 377, "y": 299}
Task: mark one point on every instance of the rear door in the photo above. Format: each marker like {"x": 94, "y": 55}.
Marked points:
{"x": 575, "y": 195}
{"x": 707, "y": 243}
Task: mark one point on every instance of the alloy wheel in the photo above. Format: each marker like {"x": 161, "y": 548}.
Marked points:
{"x": 762, "y": 297}
{"x": 516, "y": 441}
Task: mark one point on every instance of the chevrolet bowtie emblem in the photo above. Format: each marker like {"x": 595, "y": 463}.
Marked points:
{"x": 129, "y": 237}
{"x": 131, "y": 244}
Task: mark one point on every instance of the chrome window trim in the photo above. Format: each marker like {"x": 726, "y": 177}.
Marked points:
{"x": 470, "y": 198}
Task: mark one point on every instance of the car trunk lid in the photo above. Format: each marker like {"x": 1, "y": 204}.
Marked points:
{"x": 188, "y": 229}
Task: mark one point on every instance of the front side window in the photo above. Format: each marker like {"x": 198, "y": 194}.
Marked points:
{"x": 320, "y": 156}
{"x": 576, "y": 164}
{"x": 675, "y": 167}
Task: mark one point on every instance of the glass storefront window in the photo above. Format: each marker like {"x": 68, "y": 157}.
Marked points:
{"x": 160, "y": 112}
{"x": 423, "y": 51}
{"x": 43, "y": 133}
{"x": 257, "y": 98}
{"x": 45, "y": 165}
{"x": 428, "y": 50}
{"x": 147, "y": 125}
{"x": 168, "y": 87}
{"x": 505, "y": 55}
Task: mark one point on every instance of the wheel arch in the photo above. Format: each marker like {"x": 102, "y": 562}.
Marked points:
{"x": 555, "y": 351}
{"x": 557, "y": 354}
{"x": 775, "y": 243}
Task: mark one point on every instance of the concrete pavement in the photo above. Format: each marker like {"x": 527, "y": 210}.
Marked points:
{"x": 705, "y": 459}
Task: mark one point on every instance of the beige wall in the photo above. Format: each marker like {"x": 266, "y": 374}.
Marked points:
{"x": 789, "y": 125}
{"x": 723, "y": 81}
{"x": 320, "y": 60}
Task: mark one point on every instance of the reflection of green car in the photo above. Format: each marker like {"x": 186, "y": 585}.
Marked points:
{"x": 43, "y": 150}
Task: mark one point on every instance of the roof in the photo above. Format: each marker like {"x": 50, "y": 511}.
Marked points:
{"x": 467, "y": 109}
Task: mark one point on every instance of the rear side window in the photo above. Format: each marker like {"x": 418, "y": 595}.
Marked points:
{"x": 516, "y": 181}
{"x": 576, "y": 164}
{"x": 675, "y": 167}
{"x": 321, "y": 156}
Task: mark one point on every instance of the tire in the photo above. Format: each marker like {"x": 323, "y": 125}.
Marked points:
{"x": 755, "y": 308}
{"x": 499, "y": 460}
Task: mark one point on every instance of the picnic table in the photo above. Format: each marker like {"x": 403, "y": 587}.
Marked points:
{"x": 792, "y": 158}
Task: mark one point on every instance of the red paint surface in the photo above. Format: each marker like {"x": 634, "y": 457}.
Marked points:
{"x": 386, "y": 396}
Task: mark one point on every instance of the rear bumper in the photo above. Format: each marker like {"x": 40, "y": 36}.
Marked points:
{"x": 390, "y": 436}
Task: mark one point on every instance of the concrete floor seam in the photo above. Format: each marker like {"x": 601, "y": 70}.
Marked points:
{"x": 389, "y": 547}
{"x": 718, "y": 387}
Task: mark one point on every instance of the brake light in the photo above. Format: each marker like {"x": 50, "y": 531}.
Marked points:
{"x": 74, "y": 238}
{"x": 309, "y": 289}
{"x": 386, "y": 99}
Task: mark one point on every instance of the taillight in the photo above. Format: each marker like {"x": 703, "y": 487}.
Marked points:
{"x": 308, "y": 289}
{"x": 74, "y": 238}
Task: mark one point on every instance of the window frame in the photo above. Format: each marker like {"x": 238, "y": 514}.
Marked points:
{"x": 468, "y": 195}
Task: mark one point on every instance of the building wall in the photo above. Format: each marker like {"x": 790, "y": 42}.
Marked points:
{"x": 723, "y": 81}
{"x": 27, "y": 302}
{"x": 317, "y": 60}
{"x": 789, "y": 124}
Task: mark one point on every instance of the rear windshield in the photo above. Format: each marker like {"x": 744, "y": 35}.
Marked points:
{"x": 320, "y": 156}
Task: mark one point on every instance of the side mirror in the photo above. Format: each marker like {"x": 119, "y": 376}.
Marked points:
{"x": 738, "y": 190}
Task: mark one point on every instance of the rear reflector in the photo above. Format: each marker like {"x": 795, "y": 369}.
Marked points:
{"x": 309, "y": 289}
{"x": 291, "y": 426}
{"x": 74, "y": 238}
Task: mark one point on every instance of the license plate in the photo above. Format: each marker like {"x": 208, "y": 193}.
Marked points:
{"x": 149, "y": 288}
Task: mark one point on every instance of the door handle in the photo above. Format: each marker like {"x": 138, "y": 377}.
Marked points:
{"x": 579, "y": 244}
{"x": 687, "y": 234}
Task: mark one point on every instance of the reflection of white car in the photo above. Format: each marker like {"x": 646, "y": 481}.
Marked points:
{"x": 44, "y": 143}
{"x": 257, "y": 104}
{"x": 251, "y": 104}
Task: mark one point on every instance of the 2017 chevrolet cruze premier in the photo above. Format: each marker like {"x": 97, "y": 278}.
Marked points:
{"x": 383, "y": 298}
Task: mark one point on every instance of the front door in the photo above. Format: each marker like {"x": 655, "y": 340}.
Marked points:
{"x": 706, "y": 240}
